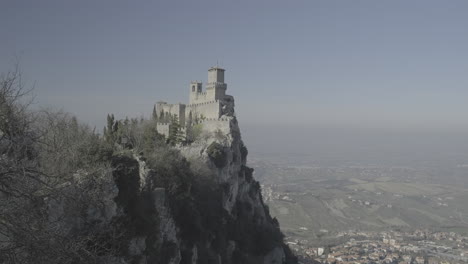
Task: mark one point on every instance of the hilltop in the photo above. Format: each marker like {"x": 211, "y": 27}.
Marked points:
{"x": 133, "y": 195}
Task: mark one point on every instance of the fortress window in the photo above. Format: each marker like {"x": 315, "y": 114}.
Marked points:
{"x": 193, "y": 88}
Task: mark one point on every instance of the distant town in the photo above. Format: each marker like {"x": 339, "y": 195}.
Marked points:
{"x": 369, "y": 214}
{"x": 420, "y": 247}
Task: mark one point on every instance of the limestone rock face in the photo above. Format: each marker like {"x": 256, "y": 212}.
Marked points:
{"x": 247, "y": 233}
{"x": 227, "y": 223}
{"x": 227, "y": 106}
{"x": 241, "y": 190}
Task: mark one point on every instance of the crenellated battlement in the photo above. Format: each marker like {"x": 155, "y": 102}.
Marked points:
{"x": 221, "y": 119}
{"x": 204, "y": 105}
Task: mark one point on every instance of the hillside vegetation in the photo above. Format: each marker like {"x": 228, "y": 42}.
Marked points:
{"x": 70, "y": 195}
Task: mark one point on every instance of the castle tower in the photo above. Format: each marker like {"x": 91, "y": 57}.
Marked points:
{"x": 216, "y": 88}
{"x": 195, "y": 90}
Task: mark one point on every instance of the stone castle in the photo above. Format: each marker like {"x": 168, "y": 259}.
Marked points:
{"x": 211, "y": 107}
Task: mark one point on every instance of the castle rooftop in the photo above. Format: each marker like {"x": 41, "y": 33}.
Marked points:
{"x": 216, "y": 68}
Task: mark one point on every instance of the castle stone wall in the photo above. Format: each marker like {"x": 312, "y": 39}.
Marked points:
{"x": 216, "y": 90}
{"x": 200, "y": 97}
{"x": 210, "y": 109}
{"x": 173, "y": 109}
{"x": 215, "y": 124}
{"x": 163, "y": 129}
{"x": 204, "y": 106}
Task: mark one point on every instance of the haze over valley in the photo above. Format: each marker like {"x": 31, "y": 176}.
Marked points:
{"x": 326, "y": 186}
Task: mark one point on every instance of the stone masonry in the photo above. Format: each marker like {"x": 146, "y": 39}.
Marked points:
{"x": 210, "y": 106}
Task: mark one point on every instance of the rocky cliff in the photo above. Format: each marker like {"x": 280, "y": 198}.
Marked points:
{"x": 131, "y": 197}
{"x": 69, "y": 195}
{"x": 202, "y": 206}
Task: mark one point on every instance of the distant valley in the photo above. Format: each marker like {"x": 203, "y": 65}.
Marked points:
{"x": 316, "y": 203}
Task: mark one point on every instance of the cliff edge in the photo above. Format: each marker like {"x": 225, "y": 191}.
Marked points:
{"x": 144, "y": 192}
{"x": 219, "y": 216}
{"x": 207, "y": 204}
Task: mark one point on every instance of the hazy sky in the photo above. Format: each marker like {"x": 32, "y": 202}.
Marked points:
{"x": 393, "y": 64}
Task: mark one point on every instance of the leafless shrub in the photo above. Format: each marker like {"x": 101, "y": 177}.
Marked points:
{"x": 56, "y": 188}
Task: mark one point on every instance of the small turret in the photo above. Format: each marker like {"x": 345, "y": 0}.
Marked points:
{"x": 196, "y": 86}
{"x": 195, "y": 90}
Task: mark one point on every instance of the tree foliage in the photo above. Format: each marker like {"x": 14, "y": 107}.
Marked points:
{"x": 217, "y": 155}
{"x": 175, "y": 132}
{"x": 154, "y": 115}
{"x": 69, "y": 195}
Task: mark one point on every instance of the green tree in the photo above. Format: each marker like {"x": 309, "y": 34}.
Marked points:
{"x": 161, "y": 116}
{"x": 175, "y": 132}
{"x": 114, "y": 131}
{"x": 189, "y": 120}
{"x": 168, "y": 118}
{"x": 217, "y": 155}
{"x": 155, "y": 114}
{"x": 188, "y": 128}
{"x": 109, "y": 129}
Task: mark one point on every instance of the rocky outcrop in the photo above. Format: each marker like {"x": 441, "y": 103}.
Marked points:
{"x": 242, "y": 198}
{"x": 197, "y": 204}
